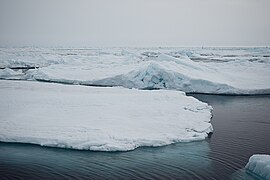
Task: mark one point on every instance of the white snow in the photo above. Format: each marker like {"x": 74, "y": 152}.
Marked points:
{"x": 259, "y": 164}
{"x": 9, "y": 74}
{"x": 189, "y": 76}
{"x": 111, "y": 119}
{"x": 96, "y": 118}
{"x": 219, "y": 71}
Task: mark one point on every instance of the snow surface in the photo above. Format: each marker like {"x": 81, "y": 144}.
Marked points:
{"x": 207, "y": 70}
{"x": 260, "y": 165}
{"x": 98, "y": 118}
{"x": 10, "y": 74}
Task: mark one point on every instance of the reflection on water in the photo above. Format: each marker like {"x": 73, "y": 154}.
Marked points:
{"x": 241, "y": 128}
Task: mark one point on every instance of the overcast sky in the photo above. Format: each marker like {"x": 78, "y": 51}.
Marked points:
{"x": 135, "y": 22}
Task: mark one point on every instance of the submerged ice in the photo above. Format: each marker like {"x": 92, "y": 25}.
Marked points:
{"x": 97, "y": 118}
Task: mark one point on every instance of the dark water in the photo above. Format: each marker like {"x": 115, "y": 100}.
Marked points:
{"x": 241, "y": 128}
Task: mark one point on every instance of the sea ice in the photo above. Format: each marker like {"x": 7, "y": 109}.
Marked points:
{"x": 10, "y": 74}
{"x": 98, "y": 118}
{"x": 259, "y": 164}
{"x": 218, "y": 71}
{"x": 189, "y": 76}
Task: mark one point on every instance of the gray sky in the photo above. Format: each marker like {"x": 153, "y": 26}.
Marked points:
{"x": 135, "y": 22}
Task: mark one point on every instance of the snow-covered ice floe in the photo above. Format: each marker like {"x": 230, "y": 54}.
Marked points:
{"x": 98, "y": 118}
{"x": 214, "y": 71}
{"x": 259, "y": 164}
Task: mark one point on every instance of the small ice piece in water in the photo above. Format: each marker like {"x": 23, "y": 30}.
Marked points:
{"x": 259, "y": 164}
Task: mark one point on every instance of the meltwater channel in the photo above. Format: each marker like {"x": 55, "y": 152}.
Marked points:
{"x": 241, "y": 128}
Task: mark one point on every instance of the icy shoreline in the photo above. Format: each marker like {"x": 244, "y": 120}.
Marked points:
{"x": 99, "y": 119}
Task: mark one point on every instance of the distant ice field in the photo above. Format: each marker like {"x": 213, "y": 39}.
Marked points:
{"x": 192, "y": 70}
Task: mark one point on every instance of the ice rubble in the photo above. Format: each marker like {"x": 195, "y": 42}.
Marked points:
{"x": 259, "y": 164}
{"x": 154, "y": 69}
{"x": 96, "y": 118}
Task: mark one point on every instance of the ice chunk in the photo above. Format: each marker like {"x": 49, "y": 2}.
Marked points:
{"x": 259, "y": 164}
{"x": 95, "y": 118}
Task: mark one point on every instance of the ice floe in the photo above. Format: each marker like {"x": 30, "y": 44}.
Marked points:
{"x": 97, "y": 118}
